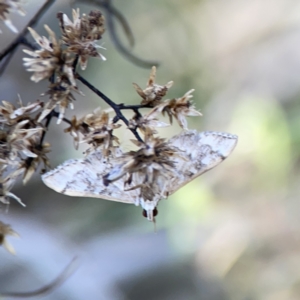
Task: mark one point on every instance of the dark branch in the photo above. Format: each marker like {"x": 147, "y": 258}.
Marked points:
{"x": 111, "y": 13}
{"x": 20, "y": 38}
{"x": 65, "y": 274}
{"x": 114, "y": 106}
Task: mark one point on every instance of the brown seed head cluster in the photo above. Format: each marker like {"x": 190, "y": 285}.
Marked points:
{"x": 80, "y": 36}
{"x": 21, "y": 150}
{"x": 153, "y": 156}
{"x": 153, "y": 93}
{"x": 56, "y": 58}
{"x": 97, "y": 129}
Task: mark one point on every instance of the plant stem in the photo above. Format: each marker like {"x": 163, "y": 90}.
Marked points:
{"x": 116, "y": 107}
{"x": 19, "y": 39}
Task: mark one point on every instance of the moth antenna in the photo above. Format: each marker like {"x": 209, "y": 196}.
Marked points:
{"x": 154, "y": 225}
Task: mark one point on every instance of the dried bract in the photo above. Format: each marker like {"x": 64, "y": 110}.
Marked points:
{"x": 146, "y": 123}
{"x": 153, "y": 93}
{"x": 178, "y": 108}
{"x": 97, "y": 130}
{"x": 8, "y": 6}
{"x": 60, "y": 94}
{"x": 6, "y": 185}
{"x": 20, "y": 149}
{"x": 150, "y": 168}
{"x": 80, "y": 36}
{"x": 6, "y": 230}
{"x": 48, "y": 60}
{"x": 31, "y": 164}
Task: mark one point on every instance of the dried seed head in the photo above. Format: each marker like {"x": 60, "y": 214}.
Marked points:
{"x": 97, "y": 130}
{"x": 149, "y": 170}
{"x": 31, "y": 164}
{"x": 10, "y": 115}
{"x": 60, "y": 94}
{"x": 6, "y": 185}
{"x": 20, "y": 149}
{"x": 153, "y": 93}
{"x": 178, "y": 108}
{"x": 8, "y": 6}
{"x": 49, "y": 60}
{"x": 81, "y": 35}
{"x": 6, "y": 230}
{"x": 154, "y": 155}
{"x": 146, "y": 123}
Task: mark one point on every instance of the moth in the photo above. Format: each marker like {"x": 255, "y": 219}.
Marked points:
{"x": 198, "y": 153}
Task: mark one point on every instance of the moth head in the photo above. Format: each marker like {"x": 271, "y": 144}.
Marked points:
{"x": 150, "y": 214}
{"x": 149, "y": 209}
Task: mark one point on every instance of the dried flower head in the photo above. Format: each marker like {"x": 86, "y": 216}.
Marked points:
{"x": 150, "y": 168}
{"x": 10, "y": 115}
{"x": 146, "y": 123}
{"x": 48, "y": 60}
{"x": 97, "y": 129}
{"x": 153, "y": 93}
{"x": 60, "y": 94}
{"x": 6, "y": 230}
{"x": 8, "y": 6}
{"x": 20, "y": 145}
{"x": 178, "y": 108}
{"x": 80, "y": 36}
{"x": 6, "y": 185}
{"x": 31, "y": 164}
{"x": 19, "y": 130}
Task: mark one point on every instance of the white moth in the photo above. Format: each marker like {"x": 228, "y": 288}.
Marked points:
{"x": 199, "y": 152}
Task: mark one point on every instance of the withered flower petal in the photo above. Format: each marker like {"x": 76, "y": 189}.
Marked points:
{"x": 81, "y": 34}
{"x": 178, "y": 108}
{"x": 49, "y": 59}
{"x": 145, "y": 123}
{"x": 8, "y": 6}
{"x": 154, "y": 155}
{"x": 97, "y": 129}
{"x": 6, "y": 185}
{"x": 153, "y": 93}
{"x": 60, "y": 94}
{"x": 6, "y": 230}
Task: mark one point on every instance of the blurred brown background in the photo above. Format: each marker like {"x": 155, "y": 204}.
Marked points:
{"x": 232, "y": 233}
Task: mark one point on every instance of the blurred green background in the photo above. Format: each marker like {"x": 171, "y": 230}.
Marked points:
{"x": 231, "y": 234}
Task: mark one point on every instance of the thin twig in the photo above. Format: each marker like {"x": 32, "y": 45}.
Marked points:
{"x": 114, "y": 106}
{"x": 20, "y": 37}
{"x": 59, "y": 280}
{"x": 112, "y": 13}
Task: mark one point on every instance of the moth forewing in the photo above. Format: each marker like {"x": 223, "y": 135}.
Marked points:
{"x": 200, "y": 153}
{"x": 84, "y": 178}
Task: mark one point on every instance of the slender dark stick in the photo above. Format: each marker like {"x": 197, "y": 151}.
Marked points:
{"x": 31, "y": 23}
{"x": 111, "y": 14}
{"x": 133, "y": 107}
{"x": 4, "y": 63}
{"x": 65, "y": 274}
{"x": 114, "y": 106}
{"x": 122, "y": 49}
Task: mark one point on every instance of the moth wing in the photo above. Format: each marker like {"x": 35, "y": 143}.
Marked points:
{"x": 201, "y": 151}
{"x": 84, "y": 178}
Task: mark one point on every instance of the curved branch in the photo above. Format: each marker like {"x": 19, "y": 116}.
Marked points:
{"x": 60, "y": 279}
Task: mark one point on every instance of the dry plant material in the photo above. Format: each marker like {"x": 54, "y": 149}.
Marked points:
{"x": 158, "y": 167}
{"x": 7, "y": 7}
{"x": 5, "y": 231}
